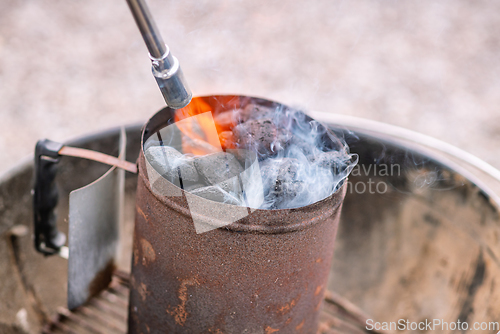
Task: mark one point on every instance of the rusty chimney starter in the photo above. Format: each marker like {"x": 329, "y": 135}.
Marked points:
{"x": 263, "y": 273}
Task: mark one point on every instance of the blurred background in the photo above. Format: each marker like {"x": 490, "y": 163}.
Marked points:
{"x": 69, "y": 68}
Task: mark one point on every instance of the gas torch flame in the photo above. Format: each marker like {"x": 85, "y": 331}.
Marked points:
{"x": 210, "y": 130}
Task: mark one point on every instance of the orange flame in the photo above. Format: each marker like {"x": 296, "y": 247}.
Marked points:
{"x": 200, "y": 138}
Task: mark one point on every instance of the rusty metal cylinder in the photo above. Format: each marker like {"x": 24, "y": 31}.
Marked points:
{"x": 264, "y": 273}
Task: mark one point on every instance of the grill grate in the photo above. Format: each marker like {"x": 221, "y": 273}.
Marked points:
{"x": 107, "y": 314}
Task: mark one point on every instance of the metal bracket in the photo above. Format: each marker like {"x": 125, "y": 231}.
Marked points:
{"x": 48, "y": 240}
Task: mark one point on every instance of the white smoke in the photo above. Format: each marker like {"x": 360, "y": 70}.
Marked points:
{"x": 287, "y": 160}
{"x": 307, "y": 164}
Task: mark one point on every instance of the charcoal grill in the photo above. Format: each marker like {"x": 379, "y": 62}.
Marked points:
{"x": 428, "y": 247}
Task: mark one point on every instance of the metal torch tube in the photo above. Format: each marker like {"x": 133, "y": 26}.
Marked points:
{"x": 166, "y": 69}
{"x": 148, "y": 28}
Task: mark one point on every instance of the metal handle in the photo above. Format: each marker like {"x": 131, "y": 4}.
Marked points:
{"x": 48, "y": 240}
{"x": 166, "y": 69}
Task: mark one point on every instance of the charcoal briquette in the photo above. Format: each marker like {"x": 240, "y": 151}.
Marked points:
{"x": 217, "y": 167}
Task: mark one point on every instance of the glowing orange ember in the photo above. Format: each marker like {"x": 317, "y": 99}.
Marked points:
{"x": 200, "y": 138}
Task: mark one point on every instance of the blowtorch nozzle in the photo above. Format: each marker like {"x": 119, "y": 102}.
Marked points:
{"x": 166, "y": 68}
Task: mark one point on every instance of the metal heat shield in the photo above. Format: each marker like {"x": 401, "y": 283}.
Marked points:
{"x": 94, "y": 218}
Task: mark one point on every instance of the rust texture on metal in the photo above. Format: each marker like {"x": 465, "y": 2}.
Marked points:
{"x": 265, "y": 273}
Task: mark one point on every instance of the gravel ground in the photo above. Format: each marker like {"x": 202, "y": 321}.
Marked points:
{"x": 68, "y": 68}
